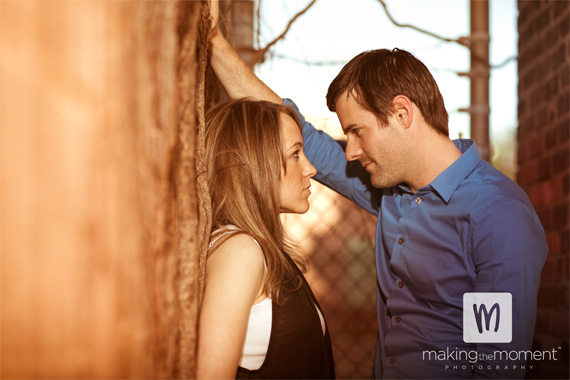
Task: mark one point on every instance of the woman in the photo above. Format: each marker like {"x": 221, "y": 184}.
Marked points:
{"x": 259, "y": 318}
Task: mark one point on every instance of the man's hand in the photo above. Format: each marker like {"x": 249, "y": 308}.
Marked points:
{"x": 215, "y": 14}
{"x": 237, "y": 78}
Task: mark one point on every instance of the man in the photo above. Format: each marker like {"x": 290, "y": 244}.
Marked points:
{"x": 449, "y": 224}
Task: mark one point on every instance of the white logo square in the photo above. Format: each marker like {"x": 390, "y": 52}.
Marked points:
{"x": 487, "y": 317}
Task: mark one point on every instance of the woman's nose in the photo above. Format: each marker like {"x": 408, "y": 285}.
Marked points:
{"x": 310, "y": 170}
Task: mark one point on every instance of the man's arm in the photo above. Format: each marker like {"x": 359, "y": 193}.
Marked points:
{"x": 237, "y": 78}
{"x": 347, "y": 178}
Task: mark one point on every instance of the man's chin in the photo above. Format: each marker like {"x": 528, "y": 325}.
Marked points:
{"x": 381, "y": 183}
{"x": 378, "y": 184}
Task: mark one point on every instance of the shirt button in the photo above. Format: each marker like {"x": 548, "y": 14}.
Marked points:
{"x": 418, "y": 200}
{"x": 398, "y": 319}
{"x": 392, "y": 360}
{"x": 400, "y": 241}
{"x": 400, "y": 284}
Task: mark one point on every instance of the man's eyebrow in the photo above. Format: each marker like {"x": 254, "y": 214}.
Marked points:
{"x": 348, "y": 128}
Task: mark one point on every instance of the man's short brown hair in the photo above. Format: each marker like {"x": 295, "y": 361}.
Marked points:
{"x": 377, "y": 76}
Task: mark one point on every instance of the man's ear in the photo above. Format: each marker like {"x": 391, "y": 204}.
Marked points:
{"x": 403, "y": 110}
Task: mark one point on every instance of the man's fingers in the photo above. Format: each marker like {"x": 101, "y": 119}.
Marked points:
{"x": 214, "y": 12}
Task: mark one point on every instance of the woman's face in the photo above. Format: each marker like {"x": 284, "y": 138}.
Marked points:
{"x": 295, "y": 181}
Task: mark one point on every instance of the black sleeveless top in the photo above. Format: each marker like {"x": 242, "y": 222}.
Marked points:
{"x": 297, "y": 347}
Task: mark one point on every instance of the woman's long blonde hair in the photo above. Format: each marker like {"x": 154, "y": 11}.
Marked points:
{"x": 245, "y": 154}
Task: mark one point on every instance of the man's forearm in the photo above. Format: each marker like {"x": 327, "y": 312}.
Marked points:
{"x": 237, "y": 78}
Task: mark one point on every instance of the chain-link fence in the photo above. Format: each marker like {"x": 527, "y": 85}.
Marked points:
{"x": 338, "y": 240}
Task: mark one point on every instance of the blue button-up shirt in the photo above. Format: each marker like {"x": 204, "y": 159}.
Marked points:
{"x": 470, "y": 230}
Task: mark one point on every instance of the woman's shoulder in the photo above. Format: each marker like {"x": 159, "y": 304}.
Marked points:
{"x": 222, "y": 234}
{"x": 241, "y": 242}
{"x": 237, "y": 265}
{"x": 233, "y": 244}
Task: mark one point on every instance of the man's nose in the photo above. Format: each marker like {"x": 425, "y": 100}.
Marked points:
{"x": 353, "y": 151}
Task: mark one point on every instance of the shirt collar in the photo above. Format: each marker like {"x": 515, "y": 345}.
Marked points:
{"x": 449, "y": 180}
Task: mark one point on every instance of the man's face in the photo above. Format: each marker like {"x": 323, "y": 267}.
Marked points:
{"x": 380, "y": 149}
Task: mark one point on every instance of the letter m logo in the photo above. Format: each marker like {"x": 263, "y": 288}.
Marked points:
{"x": 487, "y": 317}
{"x": 482, "y": 313}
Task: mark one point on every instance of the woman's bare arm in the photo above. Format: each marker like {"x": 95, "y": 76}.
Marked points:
{"x": 234, "y": 276}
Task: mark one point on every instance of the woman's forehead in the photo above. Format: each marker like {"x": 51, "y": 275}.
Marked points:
{"x": 291, "y": 130}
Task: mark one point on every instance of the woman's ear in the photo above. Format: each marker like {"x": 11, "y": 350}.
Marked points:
{"x": 403, "y": 110}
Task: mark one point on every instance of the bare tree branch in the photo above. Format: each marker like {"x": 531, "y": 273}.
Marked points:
{"x": 464, "y": 41}
{"x": 259, "y": 55}
{"x": 505, "y": 62}
{"x": 311, "y": 63}
{"x": 459, "y": 40}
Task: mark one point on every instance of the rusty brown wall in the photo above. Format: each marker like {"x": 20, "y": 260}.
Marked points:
{"x": 98, "y": 199}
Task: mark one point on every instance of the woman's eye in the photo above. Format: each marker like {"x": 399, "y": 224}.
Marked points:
{"x": 296, "y": 154}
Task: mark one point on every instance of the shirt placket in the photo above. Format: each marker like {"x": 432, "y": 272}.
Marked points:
{"x": 408, "y": 203}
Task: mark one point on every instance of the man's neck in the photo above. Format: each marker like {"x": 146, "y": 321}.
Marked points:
{"x": 434, "y": 154}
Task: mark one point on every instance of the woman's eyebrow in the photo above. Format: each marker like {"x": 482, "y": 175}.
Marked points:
{"x": 298, "y": 144}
